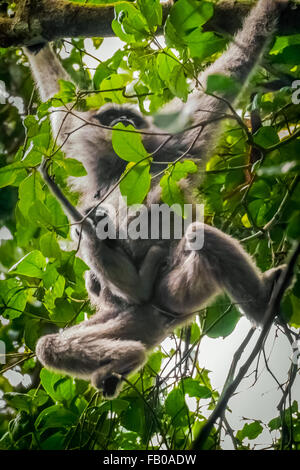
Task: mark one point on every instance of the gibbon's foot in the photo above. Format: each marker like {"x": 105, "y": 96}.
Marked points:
{"x": 108, "y": 378}
{"x": 111, "y": 386}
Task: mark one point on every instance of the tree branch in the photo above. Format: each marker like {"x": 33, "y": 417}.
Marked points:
{"x": 37, "y": 21}
{"x": 271, "y": 312}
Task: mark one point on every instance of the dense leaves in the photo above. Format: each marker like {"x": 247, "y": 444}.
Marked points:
{"x": 250, "y": 188}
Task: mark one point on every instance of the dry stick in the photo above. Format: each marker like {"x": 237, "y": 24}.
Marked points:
{"x": 272, "y": 309}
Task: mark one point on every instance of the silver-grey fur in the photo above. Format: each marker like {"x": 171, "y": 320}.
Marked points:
{"x": 132, "y": 282}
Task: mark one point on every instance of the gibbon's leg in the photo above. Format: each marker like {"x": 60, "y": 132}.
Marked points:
{"x": 151, "y": 264}
{"x": 90, "y": 352}
{"x": 47, "y": 71}
{"x": 225, "y": 266}
{"x": 93, "y": 285}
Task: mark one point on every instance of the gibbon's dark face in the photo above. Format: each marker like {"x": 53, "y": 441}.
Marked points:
{"x": 112, "y": 116}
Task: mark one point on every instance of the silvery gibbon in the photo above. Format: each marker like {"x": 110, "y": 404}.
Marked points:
{"x": 143, "y": 288}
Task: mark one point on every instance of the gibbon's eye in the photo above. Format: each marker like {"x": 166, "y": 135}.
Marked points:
{"x": 111, "y": 117}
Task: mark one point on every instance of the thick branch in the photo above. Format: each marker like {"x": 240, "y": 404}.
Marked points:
{"x": 38, "y": 20}
{"x": 272, "y": 311}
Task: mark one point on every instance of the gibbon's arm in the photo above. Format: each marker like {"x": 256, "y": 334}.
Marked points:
{"x": 114, "y": 265}
{"x": 47, "y": 70}
{"x": 237, "y": 63}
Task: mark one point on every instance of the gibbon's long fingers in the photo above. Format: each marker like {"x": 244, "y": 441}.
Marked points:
{"x": 76, "y": 216}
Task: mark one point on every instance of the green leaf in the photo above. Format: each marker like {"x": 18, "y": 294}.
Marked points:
{"x": 59, "y": 387}
{"x": 136, "y": 184}
{"x": 59, "y": 220}
{"x": 32, "y": 126}
{"x": 19, "y": 426}
{"x": 33, "y": 265}
{"x": 38, "y": 397}
{"x": 50, "y": 215}
{"x": 63, "y": 311}
{"x": 55, "y": 416}
{"x": 154, "y": 362}
{"x": 250, "y": 431}
{"x": 10, "y": 173}
{"x": 129, "y": 24}
{"x": 19, "y": 401}
{"x": 40, "y": 214}
{"x": 49, "y": 245}
{"x": 281, "y": 169}
{"x": 195, "y": 333}
{"x": 102, "y": 72}
{"x": 221, "y": 319}
{"x": 293, "y": 230}
{"x": 54, "y": 442}
{"x": 66, "y": 94}
{"x": 30, "y": 190}
{"x": 32, "y": 332}
{"x": 282, "y": 42}
{"x": 290, "y": 55}
{"x": 222, "y": 85}
{"x": 133, "y": 417}
{"x": 188, "y": 15}
{"x": 260, "y": 190}
{"x": 194, "y": 389}
{"x": 6, "y": 442}
{"x": 171, "y": 192}
{"x": 152, "y": 12}
{"x": 182, "y": 169}
{"x": 112, "y": 88}
{"x": 276, "y": 423}
{"x": 266, "y": 136}
{"x": 245, "y": 221}
{"x": 74, "y": 167}
{"x": 114, "y": 406}
{"x": 14, "y": 297}
{"x": 128, "y": 145}
{"x": 204, "y": 44}
{"x": 176, "y": 407}
{"x": 178, "y": 84}
{"x": 294, "y": 320}
{"x": 166, "y": 61}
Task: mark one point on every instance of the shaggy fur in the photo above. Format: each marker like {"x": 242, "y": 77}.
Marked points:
{"x": 132, "y": 282}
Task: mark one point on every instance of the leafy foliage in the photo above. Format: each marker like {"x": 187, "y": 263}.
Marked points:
{"x": 42, "y": 287}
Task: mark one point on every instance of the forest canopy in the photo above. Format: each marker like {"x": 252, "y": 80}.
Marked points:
{"x": 249, "y": 187}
